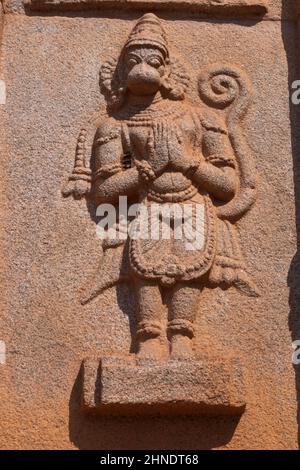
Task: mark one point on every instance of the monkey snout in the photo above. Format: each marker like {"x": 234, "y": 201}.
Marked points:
{"x": 143, "y": 79}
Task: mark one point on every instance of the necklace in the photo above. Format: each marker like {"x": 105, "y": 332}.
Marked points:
{"x": 155, "y": 112}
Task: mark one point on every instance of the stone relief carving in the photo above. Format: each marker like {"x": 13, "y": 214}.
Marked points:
{"x": 156, "y": 146}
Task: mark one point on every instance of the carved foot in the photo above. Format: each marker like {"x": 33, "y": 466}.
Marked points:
{"x": 152, "y": 349}
{"x": 181, "y": 347}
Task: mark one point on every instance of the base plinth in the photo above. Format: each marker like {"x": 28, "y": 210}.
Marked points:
{"x": 118, "y": 386}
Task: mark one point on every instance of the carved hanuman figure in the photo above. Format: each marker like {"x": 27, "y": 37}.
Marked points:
{"x": 156, "y": 147}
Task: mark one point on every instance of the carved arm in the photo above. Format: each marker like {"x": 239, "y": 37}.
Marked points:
{"x": 123, "y": 183}
{"x": 216, "y": 173}
{"x": 110, "y": 180}
{"x": 220, "y": 182}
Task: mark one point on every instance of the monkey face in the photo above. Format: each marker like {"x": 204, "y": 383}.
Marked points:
{"x": 145, "y": 68}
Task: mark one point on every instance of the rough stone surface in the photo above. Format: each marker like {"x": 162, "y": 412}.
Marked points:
{"x": 122, "y": 386}
{"x": 227, "y": 7}
{"x": 50, "y": 65}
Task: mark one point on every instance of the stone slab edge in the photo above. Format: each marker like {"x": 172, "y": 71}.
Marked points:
{"x": 275, "y": 10}
{"x": 208, "y": 386}
{"x": 216, "y": 8}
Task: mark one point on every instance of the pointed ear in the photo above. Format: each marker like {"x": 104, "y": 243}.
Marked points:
{"x": 112, "y": 81}
{"x": 175, "y": 80}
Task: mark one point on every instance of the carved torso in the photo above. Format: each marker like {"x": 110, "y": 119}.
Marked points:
{"x": 171, "y": 259}
{"x": 137, "y": 131}
{"x": 170, "y": 182}
{"x": 166, "y": 260}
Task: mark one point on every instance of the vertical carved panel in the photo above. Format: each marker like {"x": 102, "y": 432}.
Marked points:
{"x": 189, "y": 159}
{"x": 187, "y": 313}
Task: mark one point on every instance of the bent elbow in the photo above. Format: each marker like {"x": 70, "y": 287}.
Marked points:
{"x": 100, "y": 195}
{"x": 228, "y": 190}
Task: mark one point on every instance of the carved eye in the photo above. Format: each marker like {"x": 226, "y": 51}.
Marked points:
{"x": 132, "y": 61}
{"x": 155, "y": 62}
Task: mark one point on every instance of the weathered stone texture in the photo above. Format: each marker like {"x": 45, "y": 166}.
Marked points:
{"x": 50, "y": 65}
{"x": 120, "y": 386}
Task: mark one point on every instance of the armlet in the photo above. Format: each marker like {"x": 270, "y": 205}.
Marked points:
{"x": 107, "y": 170}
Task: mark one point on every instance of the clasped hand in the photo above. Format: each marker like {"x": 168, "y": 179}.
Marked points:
{"x": 165, "y": 149}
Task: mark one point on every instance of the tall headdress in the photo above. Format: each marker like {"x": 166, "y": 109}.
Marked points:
{"x": 149, "y": 31}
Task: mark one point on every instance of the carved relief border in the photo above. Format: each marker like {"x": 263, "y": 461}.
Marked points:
{"x": 215, "y": 7}
{"x": 231, "y": 9}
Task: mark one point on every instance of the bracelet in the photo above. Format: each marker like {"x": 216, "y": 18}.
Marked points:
{"x": 108, "y": 170}
{"x": 219, "y": 160}
{"x": 114, "y": 134}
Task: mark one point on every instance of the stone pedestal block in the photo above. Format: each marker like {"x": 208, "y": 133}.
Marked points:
{"x": 118, "y": 386}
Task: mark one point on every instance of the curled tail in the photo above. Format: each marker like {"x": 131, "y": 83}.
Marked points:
{"x": 228, "y": 88}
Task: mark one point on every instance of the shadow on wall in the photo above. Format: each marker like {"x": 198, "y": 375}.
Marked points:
{"x": 294, "y": 272}
{"x": 88, "y": 432}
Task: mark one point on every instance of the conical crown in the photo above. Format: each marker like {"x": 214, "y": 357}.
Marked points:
{"x": 148, "y": 32}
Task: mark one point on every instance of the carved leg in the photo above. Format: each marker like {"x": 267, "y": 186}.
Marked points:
{"x": 150, "y": 343}
{"x": 183, "y": 303}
